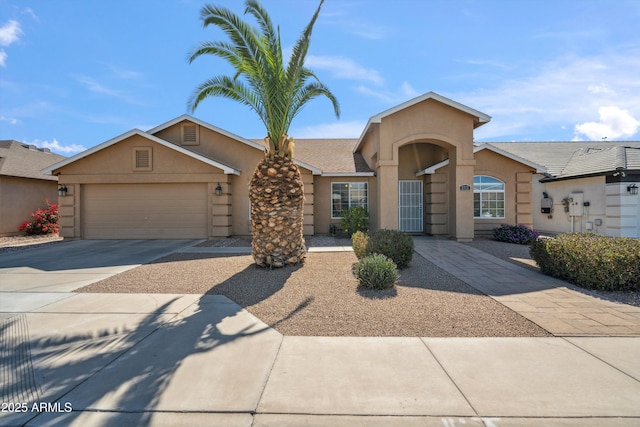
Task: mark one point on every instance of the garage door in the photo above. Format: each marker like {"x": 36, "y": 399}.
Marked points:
{"x": 144, "y": 211}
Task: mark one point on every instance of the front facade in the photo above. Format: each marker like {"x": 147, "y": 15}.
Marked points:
{"x": 414, "y": 168}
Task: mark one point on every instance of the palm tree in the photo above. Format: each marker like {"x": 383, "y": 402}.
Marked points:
{"x": 277, "y": 93}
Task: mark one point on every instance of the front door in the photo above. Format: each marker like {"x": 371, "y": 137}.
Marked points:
{"x": 410, "y": 213}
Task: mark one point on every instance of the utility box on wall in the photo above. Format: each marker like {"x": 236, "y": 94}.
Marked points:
{"x": 546, "y": 205}
{"x": 575, "y": 206}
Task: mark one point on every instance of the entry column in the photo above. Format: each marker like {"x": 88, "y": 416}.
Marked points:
{"x": 387, "y": 174}
{"x": 461, "y": 200}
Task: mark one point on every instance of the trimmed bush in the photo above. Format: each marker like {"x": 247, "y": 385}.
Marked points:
{"x": 590, "y": 260}
{"x": 45, "y": 221}
{"x": 354, "y": 219}
{"x": 520, "y": 234}
{"x": 376, "y": 272}
{"x": 393, "y": 244}
{"x": 359, "y": 241}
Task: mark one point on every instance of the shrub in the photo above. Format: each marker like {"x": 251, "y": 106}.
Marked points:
{"x": 590, "y": 260}
{"x": 359, "y": 241}
{"x": 393, "y": 244}
{"x": 376, "y": 272}
{"x": 354, "y": 219}
{"x": 520, "y": 234}
{"x": 45, "y": 221}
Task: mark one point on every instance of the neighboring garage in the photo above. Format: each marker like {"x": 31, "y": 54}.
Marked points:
{"x": 144, "y": 211}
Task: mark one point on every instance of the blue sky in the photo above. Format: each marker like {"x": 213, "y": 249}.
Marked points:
{"x": 74, "y": 74}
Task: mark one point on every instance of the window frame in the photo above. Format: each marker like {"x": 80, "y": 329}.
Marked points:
{"x": 349, "y": 197}
{"x": 482, "y": 200}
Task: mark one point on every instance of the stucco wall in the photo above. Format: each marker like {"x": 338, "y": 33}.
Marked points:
{"x": 322, "y": 201}
{"x": 19, "y": 197}
{"x": 115, "y": 164}
{"x": 518, "y": 184}
{"x": 559, "y": 221}
{"x": 435, "y": 123}
{"x": 413, "y": 158}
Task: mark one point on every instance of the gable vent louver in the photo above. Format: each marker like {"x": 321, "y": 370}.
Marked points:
{"x": 190, "y": 134}
{"x": 143, "y": 159}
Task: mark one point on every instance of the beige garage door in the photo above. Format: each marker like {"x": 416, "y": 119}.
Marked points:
{"x": 144, "y": 211}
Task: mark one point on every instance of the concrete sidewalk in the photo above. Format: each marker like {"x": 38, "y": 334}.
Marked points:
{"x": 158, "y": 359}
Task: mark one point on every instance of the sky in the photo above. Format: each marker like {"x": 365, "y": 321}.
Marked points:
{"x": 75, "y": 73}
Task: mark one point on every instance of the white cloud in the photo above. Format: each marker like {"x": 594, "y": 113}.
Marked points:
{"x": 122, "y": 73}
{"x": 343, "y": 68}
{"x": 560, "y": 92}
{"x": 351, "y": 129}
{"x": 601, "y": 89}
{"x": 9, "y": 120}
{"x": 101, "y": 89}
{"x": 614, "y": 123}
{"x": 59, "y": 148}
{"x": 390, "y": 97}
{"x": 28, "y": 11}
{"x": 9, "y": 33}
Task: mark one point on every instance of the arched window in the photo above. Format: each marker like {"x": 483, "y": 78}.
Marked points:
{"x": 488, "y": 197}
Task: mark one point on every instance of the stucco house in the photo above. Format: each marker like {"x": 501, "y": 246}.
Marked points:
{"x": 583, "y": 186}
{"x": 415, "y": 168}
{"x": 23, "y": 187}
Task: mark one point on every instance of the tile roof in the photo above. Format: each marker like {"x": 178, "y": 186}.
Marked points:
{"x": 331, "y": 156}
{"x": 26, "y": 161}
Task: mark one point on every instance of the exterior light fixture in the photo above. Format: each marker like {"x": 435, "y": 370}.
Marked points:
{"x": 219, "y": 190}
{"x": 62, "y": 190}
{"x": 632, "y": 189}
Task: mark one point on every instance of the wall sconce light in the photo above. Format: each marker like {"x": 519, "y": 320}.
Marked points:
{"x": 632, "y": 189}
{"x": 219, "y": 190}
{"x": 62, "y": 190}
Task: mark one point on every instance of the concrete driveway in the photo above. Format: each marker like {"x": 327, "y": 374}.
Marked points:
{"x": 66, "y": 266}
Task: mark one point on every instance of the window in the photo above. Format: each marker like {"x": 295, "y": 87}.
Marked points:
{"x": 488, "y": 197}
{"x": 345, "y": 195}
{"x": 142, "y": 160}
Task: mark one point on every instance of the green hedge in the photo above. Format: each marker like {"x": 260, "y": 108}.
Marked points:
{"x": 590, "y": 260}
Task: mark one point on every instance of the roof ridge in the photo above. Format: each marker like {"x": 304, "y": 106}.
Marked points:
{"x": 621, "y": 157}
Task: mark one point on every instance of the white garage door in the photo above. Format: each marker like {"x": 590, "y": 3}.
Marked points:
{"x": 144, "y": 211}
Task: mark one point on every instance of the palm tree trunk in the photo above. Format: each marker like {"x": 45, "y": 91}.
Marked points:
{"x": 276, "y": 193}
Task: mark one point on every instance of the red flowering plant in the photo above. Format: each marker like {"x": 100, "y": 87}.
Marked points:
{"x": 45, "y": 221}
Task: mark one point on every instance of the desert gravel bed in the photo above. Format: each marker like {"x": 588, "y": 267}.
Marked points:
{"x": 322, "y": 298}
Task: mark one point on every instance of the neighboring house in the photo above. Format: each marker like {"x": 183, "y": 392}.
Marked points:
{"x": 23, "y": 187}
{"x": 583, "y": 186}
{"x": 415, "y": 168}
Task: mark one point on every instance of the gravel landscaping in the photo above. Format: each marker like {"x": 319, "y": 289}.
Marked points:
{"x": 322, "y": 298}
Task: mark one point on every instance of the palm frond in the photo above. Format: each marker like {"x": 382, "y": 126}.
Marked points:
{"x": 261, "y": 80}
